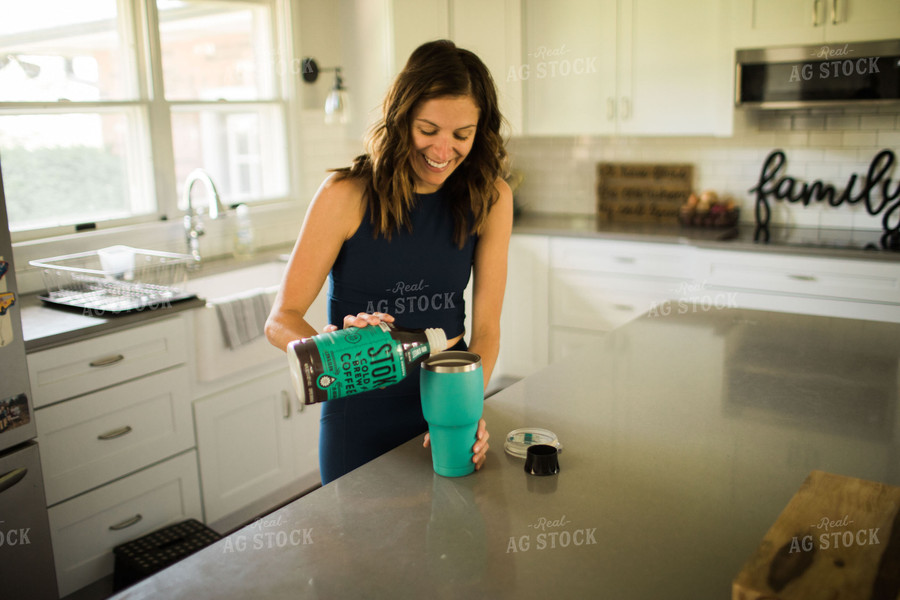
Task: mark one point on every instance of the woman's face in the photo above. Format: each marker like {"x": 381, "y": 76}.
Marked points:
{"x": 443, "y": 130}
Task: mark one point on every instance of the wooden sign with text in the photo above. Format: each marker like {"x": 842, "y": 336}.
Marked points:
{"x": 642, "y": 192}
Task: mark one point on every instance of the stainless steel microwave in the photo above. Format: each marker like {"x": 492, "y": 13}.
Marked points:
{"x": 834, "y": 74}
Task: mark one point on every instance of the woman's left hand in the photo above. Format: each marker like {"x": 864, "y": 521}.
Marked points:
{"x": 481, "y": 444}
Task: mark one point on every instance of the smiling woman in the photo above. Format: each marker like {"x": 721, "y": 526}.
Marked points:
{"x": 400, "y": 232}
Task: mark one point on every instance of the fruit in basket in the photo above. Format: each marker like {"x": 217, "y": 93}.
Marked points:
{"x": 708, "y": 210}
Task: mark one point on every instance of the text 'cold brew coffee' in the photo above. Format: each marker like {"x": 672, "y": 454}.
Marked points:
{"x": 355, "y": 360}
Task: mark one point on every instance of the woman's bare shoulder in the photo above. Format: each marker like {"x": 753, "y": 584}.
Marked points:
{"x": 340, "y": 201}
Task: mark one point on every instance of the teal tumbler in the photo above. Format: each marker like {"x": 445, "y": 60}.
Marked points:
{"x": 452, "y": 389}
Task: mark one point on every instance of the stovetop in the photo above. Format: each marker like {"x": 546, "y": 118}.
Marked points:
{"x": 846, "y": 239}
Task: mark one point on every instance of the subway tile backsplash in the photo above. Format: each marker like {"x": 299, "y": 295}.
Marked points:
{"x": 826, "y": 144}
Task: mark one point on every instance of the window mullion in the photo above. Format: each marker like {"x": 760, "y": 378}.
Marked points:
{"x": 160, "y": 118}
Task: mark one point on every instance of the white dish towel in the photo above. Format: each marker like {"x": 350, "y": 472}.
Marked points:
{"x": 242, "y": 317}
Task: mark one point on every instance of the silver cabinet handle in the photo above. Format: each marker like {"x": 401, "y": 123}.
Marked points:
{"x": 625, "y": 260}
{"x": 815, "y": 13}
{"x": 623, "y": 307}
{"x": 803, "y": 277}
{"x": 7, "y": 480}
{"x": 626, "y": 107}
{"x": 286, "y": 402}
{"x": 115, "y": 433}
{"x": 126, "y": 523}
{"x": 834, "y": 19}
{"x": 107, "y": 360}
{"x": 610, "y": 108}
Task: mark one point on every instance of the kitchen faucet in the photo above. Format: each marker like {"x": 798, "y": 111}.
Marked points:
{"x": 193, "y": 227}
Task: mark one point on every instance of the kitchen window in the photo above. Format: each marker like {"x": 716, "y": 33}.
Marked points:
{"x": 107, "y": 105}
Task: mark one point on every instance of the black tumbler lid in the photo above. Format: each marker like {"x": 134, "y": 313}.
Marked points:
{"x": 542, "y": 459}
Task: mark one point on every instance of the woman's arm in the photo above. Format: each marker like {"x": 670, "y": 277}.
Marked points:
{"x": 333, "y": 217}
{"x": 489, "y": 283}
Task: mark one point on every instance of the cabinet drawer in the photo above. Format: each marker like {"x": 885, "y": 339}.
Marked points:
{"x": 88, "y": 441}
{"x": 600, "y": 302}
{"x": 86, "y": 529}
{"x": 103, "y": 361}
{"x": 624, "y": 258}
{"x": 870, "y": 281}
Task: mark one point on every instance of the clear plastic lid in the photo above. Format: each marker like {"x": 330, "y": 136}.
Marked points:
{"x": 518, "y": 440}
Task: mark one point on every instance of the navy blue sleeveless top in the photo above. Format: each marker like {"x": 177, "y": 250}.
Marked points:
{"x": 417, "y": 276}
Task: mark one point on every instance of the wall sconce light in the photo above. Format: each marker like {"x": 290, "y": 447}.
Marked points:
{"x": 336, "y": 103}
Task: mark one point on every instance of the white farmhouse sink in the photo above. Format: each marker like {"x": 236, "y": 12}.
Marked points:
{"x": 213, "y": 357}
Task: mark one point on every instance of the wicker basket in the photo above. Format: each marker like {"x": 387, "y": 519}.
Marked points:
{"x": 152, "y": 279}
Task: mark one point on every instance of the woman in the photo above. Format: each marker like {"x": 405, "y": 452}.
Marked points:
{"x": 399, "y": 232}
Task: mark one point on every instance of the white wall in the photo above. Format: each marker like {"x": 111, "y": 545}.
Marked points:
{"x": 821, "y": 144}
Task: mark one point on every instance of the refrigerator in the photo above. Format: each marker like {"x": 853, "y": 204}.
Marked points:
{"x": 26, "y": 553}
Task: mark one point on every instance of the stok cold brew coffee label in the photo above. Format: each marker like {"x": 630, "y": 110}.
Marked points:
{"x": 352, "y": 361}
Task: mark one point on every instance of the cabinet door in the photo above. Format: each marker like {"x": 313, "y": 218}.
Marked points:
{"x": 525, "y": 320}
{"x": 244, "y": 444}
{"x": 415, "y": 22}
{"x": 305, "y": 438}
{"x": 492, "y": 29}
{"x": 761, "y": 23}
{"x": 859, "y": 20}
{"x": 86, "y": 528}
{"x": 675, "y": 68}
{"x": 96, "y": 438}
{"x": 568, "y": 67}
{"x": 85, "y": 366}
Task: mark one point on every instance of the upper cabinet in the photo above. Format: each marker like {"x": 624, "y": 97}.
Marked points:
{"x": 762, "y": 23}
{"x": 633, "y": 67}
{"x": 571, "y": 67}
{"x": 489, "y": 28}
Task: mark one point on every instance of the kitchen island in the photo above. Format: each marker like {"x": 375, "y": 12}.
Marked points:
{"x": 683, "y": 438}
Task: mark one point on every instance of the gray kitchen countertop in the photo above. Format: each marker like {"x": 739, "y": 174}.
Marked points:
{"x": 45, "y": 326}
{"x": 822, "y": 242}
{"x": 684, "y": 438}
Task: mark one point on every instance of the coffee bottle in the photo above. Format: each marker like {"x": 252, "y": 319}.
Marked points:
{"x": 358, "y": 359}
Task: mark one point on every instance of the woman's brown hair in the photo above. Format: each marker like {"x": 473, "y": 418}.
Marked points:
{"x": 434, "y": 70}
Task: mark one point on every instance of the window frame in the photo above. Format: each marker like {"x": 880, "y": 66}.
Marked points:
{"x": 139, "y": 21}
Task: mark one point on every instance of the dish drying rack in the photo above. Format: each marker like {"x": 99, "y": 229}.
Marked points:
{"x": 154, "y": 280}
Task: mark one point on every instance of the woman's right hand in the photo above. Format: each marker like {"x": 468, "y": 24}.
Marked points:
{"x": 361, "y": 320}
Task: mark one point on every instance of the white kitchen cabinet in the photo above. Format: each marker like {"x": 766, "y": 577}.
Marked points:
{"x": 254, "y": 439}
{"x": 414, "y": 22}
{"x": 492, "y": 29}
{"x": 632, "y": 67}
{"x": 525, "y": 320}
{"x": 489, "y": 28}
{"x": 826, "y": 286}
{"x": 81, "y": 367}
{"x": 90, "y": 440}
{"x": 86, "y": 528}
{"x": 114, "y": 426}
{"x": 760, "y": 23}
{"x": 599, "y": 285}
{"x": 568, "y": 67}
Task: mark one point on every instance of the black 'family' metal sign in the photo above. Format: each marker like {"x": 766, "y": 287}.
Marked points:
{"x": 789, "y": 189}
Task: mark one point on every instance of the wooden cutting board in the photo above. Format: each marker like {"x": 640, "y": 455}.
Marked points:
{"x": 838, "y": 537}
